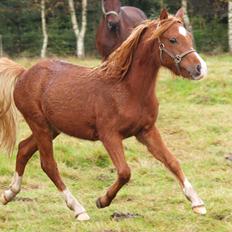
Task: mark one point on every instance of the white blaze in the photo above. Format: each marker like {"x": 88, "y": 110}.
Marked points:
{"x": 204, "y": 69}
{"x": 183, "y": 31}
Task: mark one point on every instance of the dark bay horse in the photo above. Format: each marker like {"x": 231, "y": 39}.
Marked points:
{"x": 116, "y": 25}
{"x": 109, "y": 103}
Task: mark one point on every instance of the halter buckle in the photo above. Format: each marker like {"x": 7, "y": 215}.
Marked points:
{"x": 161, "y": 46}
{"x": 177, "y": 59}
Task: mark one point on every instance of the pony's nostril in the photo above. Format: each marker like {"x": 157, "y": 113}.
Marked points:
{"x": 198, "y": 68}
{"x": 111, "y": 25}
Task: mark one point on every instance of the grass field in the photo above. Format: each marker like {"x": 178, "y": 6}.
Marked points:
{"x": 195, "y": 120}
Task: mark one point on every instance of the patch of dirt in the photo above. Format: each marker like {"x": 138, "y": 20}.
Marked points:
{"x": 34, "y": 186}
{"x": 219, "y": 217}
{"x": 3, "y": 219}
{"x": 25, "y": 199}
{"x": 118, "y": 216}
{"x": 109, "y": 231}
{"x": 103, "y": 177}
{"x": 229, "y": 157}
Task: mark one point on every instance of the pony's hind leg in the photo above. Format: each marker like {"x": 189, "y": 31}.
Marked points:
{"x": 43, "y": 137}
{"x": 156, "y": 146}
{"x": 113, "y": 145}
{"x": 26, "y": 149}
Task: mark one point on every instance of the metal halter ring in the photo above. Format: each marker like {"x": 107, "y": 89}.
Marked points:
{"x": 161, "y": 46}
{"x": 177, "y": 59}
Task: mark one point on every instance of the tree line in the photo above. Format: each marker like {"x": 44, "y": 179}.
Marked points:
{"x": 68, "y": 27}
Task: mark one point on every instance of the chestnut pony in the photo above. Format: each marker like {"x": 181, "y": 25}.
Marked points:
{"x": 116, "y": 25}
{"x": 109, "y": 103}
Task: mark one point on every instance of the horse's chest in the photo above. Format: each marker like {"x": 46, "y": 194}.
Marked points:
{"x": 136, "y": 119}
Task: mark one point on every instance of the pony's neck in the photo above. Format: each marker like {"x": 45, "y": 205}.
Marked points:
{"x": 144, "y": 69}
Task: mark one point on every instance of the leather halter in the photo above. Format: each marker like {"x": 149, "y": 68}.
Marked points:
{"x": 109, "y": 12}
{"x": 176, "y": 58}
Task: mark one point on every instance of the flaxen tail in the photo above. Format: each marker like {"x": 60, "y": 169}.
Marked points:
{"x": 9, "y": 71}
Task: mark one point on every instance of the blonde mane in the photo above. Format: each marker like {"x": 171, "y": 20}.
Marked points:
{"x": 119, "y": 62}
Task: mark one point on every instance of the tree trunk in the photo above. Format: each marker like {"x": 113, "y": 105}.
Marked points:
{"x": 230, "y": 25}
{"x": 81, "y": 47}
{"x": 1, "y": 46}
{"x": 74, "y": 22}
{"x": 187, "y": 23}
{"x": 44, "y": 29}
{"x": 161, "y": 4}
{"x": 80, "y": 34}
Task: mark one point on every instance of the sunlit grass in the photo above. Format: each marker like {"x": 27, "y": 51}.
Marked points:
{"x": 196, "y": 123}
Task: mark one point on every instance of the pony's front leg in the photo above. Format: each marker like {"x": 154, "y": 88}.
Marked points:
{"x": 156, "y": 146}
{"x": 113, "y": 145}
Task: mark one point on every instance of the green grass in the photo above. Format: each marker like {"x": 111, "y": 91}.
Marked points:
{"x": 195, "y": 120}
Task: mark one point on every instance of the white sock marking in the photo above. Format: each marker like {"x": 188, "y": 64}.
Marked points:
{"x": 72, "y": 203}
{"x": 187, "y": 184}
{"x": 191, "y": 194}
{"x": 15, "y": 187}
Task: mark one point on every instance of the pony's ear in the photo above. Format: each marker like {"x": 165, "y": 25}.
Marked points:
{"x": 164, "y": 14}
{"x": 180, "y": 14}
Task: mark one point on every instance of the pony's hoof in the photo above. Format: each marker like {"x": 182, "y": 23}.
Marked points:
{"x": 200, "y": 210}
{"x": 83, "y": 217}
{"x": 102, "y": 202}
{"x": 98, "y": 203}
{"x": 3, "y": 199}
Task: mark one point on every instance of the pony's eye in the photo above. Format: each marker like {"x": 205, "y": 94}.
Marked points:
{"x": 173, "y": 40}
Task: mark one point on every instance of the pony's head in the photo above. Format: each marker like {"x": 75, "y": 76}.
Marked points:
{"x": 176, "y": 47}
{"x": 111, "y": 11}
{"x": 163, "y": 42}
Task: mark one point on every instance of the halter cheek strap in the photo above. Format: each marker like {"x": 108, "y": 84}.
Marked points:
{"x": 109, "y": 12}
{"x": 177, "y": 58}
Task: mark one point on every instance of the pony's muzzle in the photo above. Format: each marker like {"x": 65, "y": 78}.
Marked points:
{"x": 112, "y": 25}
{"x": 198, "y": 72}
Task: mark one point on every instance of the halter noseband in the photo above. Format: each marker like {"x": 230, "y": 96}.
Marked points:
{"x": 109, "y": 12}
{"x": 177, "y": 58}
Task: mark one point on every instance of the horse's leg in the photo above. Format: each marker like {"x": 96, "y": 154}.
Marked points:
{"x": 156, "y": 146}
{"x": 26, "y": 149}
{"x": 43, "y": 138}
{"x": 115, "y": 149}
